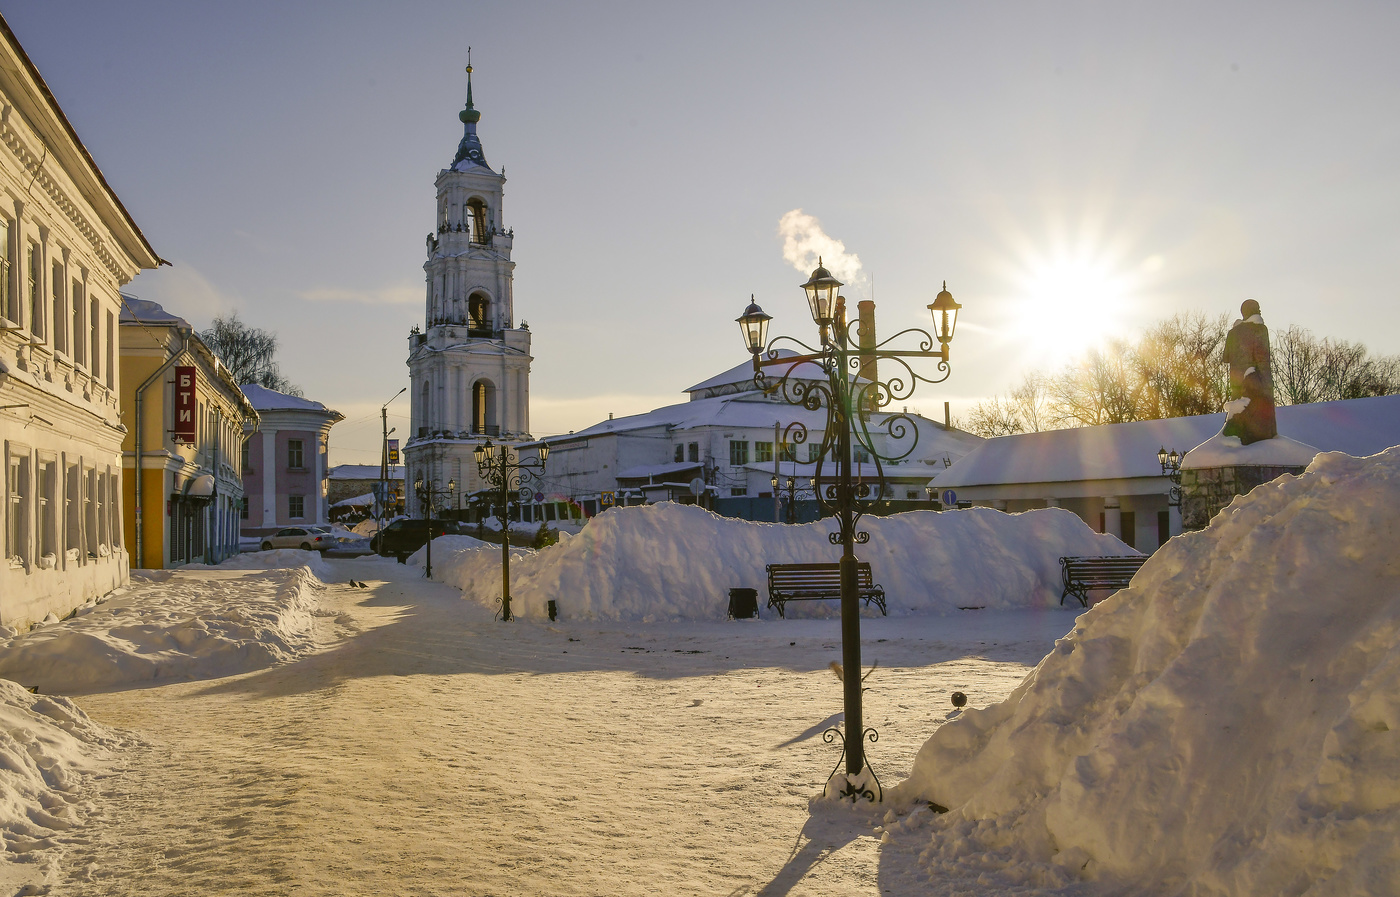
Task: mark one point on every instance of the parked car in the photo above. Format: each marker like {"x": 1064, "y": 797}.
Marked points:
{"x": 303, "y": 537}
{"x": 403, "y": 537}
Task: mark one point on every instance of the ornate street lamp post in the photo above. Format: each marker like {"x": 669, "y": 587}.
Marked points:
{"x": 849, "y": 394}
{"x": 504, "y": 474}
{"x": 427, "y": 498}
{"x": 1171, "y": 469}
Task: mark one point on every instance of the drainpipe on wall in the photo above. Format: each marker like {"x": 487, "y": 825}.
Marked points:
{"x": 140, "y": 488}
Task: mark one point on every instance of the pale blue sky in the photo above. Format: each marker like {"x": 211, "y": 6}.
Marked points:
{"x": 1144, "y": 158}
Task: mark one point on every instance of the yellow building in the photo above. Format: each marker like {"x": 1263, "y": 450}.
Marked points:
{"x": 185, "y": 417}
{"x": 66, "y": 247}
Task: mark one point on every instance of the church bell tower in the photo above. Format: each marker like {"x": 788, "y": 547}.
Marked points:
{"x": 469, "y": 366}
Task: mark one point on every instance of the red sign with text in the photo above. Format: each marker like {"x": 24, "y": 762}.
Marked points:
{"x": 186, "y": 428}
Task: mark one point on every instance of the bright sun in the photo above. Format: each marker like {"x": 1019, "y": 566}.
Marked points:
{"x": 1071, "y": 301}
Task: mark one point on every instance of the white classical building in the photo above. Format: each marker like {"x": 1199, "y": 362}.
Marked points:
{"x": 730, "y": 438}
{"x": 469, "y": 366}
{"x": 67, "y": 245}
{"x": 285, "y": 461}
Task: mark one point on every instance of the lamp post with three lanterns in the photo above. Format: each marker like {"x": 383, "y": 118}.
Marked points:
{"x": 427, "y": 498}
{"x": 850, "y": 393}
{"x": 504, "y": 473}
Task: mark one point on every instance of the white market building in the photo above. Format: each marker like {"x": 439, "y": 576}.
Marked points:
{"x": 724, "y": 437}
{"x": 1110, "y": 476}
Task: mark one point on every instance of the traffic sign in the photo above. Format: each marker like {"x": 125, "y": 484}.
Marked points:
{"x": 606, "y": 499}
{"x": 950, "y": 497}
{"x": 539, "y": 497}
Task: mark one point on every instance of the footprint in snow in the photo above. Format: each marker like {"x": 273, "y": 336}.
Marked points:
{"x": 696, "y": 702}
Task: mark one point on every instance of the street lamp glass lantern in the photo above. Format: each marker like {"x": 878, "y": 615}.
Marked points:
{"x": 1162, "y": 456}
{"x": 479, "y": 453}
{"x": 544, "y": 452}
{"x": 821, "y": 290}
{"x": 753, "y": 323}
{"x": 774, "y": 481}
{"x": 418, "y": 484}
{"x": 945, "y": 315}
{"x": 451, "y": 485}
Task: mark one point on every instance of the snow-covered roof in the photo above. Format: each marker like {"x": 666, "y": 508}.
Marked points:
{"x": 265, "y": 399}
{"x": 358, "y": 501}
{"x": 657, "y": 470}
{"x": 742, "y": 374}
{"x": 363, "y": 472}
{"x": 1115, "y": 451}
{"x": 144, "y": 311}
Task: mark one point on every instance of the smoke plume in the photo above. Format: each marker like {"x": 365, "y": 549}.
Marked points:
{"x": 804, "y": 241}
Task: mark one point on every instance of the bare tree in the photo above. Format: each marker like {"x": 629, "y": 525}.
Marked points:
{"x": 1100, "y": 388}
{"x": 250, "y": 353}
{"x": 1180, "y": 366}
{"x": 994, "y": 417}
{"x": 1312, "y": 369}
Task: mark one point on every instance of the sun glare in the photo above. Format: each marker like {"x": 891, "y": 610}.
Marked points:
{"x": 1071, "y": 302}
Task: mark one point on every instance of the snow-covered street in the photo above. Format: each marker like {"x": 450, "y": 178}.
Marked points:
{"x": 426, "y": 748}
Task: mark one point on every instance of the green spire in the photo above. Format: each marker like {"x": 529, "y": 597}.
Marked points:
{"x": 469, "y": 115}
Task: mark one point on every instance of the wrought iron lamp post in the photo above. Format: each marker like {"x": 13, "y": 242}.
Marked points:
{"x": 850, "y": 393}
{"x": 505, "y": 473}
{"x": 1171, "y": 468}
{"x": 427, "y": 497}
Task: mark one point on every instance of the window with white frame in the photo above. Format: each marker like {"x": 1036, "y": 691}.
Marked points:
{"x": 9, "y": 307}
{"x": 48, "y": 510}
{"x": 17, "y": 507}
{"x": 35, "y": 284}
{"x": 90, "y": 509}
{"x": 60, "y": 308}
{"x": 762, "y": 452}
{"x": 296, "y": 506}
{"x": 73, "y": 509}
{"x": 295, "y": 458}
{"x": 78, "y": 331}
{"x": 114, "y": 527}
{"x": 814, "y": 451}
{"x": 738, "y": 452}
{"x": 95, "y": 325}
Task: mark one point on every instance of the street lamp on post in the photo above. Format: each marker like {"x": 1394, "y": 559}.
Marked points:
{"x": 427, "y": 499}
{"x": 1171, "y": 469}
{"x": 849, "y": 398}
{"x": 506, "y": 474}
{"x": 791, "y": 486}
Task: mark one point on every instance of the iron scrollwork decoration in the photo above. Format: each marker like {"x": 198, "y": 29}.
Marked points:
{"x": 857, "y": 430}
{"x": 506, "y": 476}
{"x": 854, "y": 789}
{"x": 1171, "y": 469}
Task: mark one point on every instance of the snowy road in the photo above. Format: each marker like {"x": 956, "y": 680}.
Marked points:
{"x": 429, "y": 750}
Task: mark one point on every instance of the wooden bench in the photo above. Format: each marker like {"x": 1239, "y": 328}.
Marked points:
{"x": 1081, "y": 575}
{"x": 814, "y": 582}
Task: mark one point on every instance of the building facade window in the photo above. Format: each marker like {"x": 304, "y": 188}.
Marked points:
{"x": 296, "y": 506}
{"x": 738, "y": 453}
{"x": 243, "y": 508}
{"x": 48, "y": 510}
{"x": 860, "y": 455}
{"x": 78, "y": 328}
{"x": 60, "y": 308}
{"x": 111, "y": 379}
{"x": 295, "y": 459}
{"x": 90, "y": 510}
{"x": 787, "y": 452}
{"x": 246, "y": 456}
{"x": 36, "y": 305}
{"x": 17, "y": 508}
{"x": 680, "y": 453}
{"x": 72, "y": 513}
{"x": 814, "y": 451}
{"x": 739, "y": 491}
{"x": 7, "y": 305}
{"x": 95, "y": 324}
{"x": 694, "y": 449}
{"x": 763, "y": 452}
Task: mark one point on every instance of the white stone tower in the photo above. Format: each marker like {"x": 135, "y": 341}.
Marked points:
{"x": 469, "y": 367}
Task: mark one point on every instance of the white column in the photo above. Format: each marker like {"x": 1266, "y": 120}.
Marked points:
{"x": 1112, "y": 516}
{"x": 269, "y": 483}
{"x": 319, "y": 468}
{"x": 1174, "y": 520}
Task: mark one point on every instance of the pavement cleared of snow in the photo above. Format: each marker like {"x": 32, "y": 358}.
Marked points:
{"x": 1229, "y": 725}
{"x": 427, "y": 748}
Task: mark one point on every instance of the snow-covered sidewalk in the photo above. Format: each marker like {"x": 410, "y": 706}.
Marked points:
{"x": 427, "y": 748}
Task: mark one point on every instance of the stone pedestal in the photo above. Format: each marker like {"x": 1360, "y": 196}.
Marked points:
{"x": 1207, "y": 490}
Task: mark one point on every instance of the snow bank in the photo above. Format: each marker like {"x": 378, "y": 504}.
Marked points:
{"x": 446, "y": 545}
{"x": 47, "y": 748}
{"x": 671, "y": 561}
{"x": 171, "y": 625}
{"x": 1229, "y": 725}
{"x": 276, "y": 559}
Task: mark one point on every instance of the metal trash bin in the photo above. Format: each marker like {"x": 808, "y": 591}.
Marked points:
{"x": 743, "y": 604}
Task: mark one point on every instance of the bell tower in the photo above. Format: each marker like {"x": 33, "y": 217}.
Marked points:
{"x": 469, "y": 365}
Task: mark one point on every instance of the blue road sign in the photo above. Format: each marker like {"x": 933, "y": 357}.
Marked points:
{"x": 950, "y": 497}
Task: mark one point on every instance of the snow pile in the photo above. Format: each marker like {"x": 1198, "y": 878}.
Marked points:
{"x": 672, "y": 561}
{"x": 171, "y": 625}
{"x": 445, "y": 545}
{"x": 47, "y": 748}
{"x": 276, "y": 559}
{"x": 1228, "y": 451}
{"x": 1229, "y": 725}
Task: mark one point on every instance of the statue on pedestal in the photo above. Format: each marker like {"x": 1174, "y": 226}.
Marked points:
{"x": 1250, "y": 411}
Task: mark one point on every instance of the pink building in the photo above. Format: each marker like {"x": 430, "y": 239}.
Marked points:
{"x": 284, "y": 462}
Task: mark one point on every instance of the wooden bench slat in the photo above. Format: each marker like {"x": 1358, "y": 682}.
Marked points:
{"x": 818, "y": 581}
{"x": 1084, "y": 574}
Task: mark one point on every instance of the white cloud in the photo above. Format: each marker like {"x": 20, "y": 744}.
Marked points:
{"x": 804, "y": 242}
{"x": 181, "y": 290}
{"x": 400, "y": 294}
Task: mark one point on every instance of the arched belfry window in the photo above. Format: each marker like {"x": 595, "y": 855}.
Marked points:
{"x": 425, "y": 423}
{"x": 481, "y": 233}
{"x": 484, "y": 408}
{"x": 479, "y": 314}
